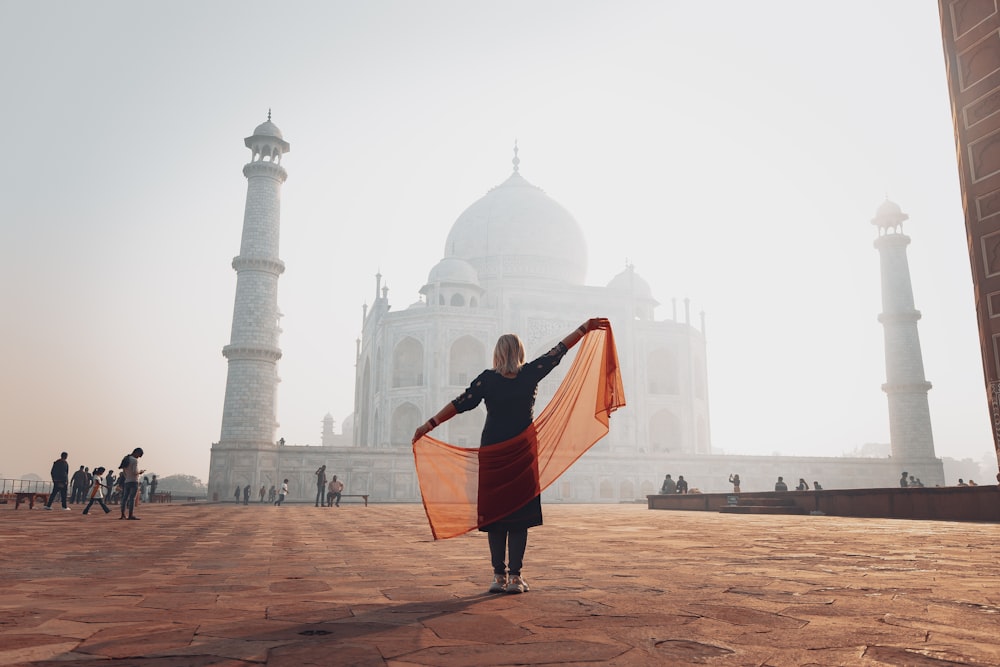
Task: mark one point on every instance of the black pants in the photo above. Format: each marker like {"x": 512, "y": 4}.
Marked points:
{"x": 58, "y": 489}
{"x": 512, "y": 541}
{"x": 93, "y": 500}
{"x": 128, "y": 498}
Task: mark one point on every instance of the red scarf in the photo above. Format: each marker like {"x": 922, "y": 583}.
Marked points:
{"x": 463, "y": 489}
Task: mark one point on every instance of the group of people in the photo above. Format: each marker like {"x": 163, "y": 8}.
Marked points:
{"x": 96, "y": 486}
{"x": 670, "y": 485}
{"x": 803, "y": 485}
{"x": 274, "y": 495}
{"x": 327, "y": 492}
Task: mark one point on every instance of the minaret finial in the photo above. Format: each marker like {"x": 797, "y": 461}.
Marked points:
{"x": 269, "y": 114}
{"x": 516, "y": 159}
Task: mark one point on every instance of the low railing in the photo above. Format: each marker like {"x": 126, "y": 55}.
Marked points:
{"x": 24, "y": 486}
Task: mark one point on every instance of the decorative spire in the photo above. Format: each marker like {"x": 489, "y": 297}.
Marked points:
{"x": 269, "y": 114}
{"x": 516, "y": 159}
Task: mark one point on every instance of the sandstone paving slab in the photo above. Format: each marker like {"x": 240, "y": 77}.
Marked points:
{"x": 611, "y": 584}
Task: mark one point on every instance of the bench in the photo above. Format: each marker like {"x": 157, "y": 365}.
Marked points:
{"x": 363, "y": 496}
{"x": 31, "y": 497}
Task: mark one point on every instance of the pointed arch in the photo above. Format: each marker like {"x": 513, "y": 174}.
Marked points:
{"x": 408, "y": 363}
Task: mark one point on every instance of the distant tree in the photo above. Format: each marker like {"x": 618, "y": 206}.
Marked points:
{"x": 185, "y": 485}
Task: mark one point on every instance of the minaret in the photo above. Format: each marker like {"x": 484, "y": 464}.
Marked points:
{"x": 905, "y": 386}
{"x": 246, "y": 452}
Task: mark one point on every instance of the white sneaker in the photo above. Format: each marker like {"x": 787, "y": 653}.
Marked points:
{"x": 499, "y": 584}
{"x": 515, "y": 584}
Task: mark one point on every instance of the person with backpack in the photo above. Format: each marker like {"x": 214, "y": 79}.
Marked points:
{"x": 130, "y": 472}
{"x": 96, "y": 494}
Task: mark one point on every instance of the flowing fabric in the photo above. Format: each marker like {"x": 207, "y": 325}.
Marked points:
{"x": 463, "y": 489}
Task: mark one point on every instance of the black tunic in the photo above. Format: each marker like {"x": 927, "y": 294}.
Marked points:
{"x": 510, "y": 406}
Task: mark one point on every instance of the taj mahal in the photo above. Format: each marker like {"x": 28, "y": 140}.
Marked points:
{"x": 412, "y": 359}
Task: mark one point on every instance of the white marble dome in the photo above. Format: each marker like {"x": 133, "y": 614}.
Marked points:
{"x": 267, "y": 129}
{"x": 631, "y": 282}
{"x": 454, "y": 271}
{"x": 518, "y": 231}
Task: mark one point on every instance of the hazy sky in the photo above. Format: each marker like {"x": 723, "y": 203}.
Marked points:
{"x": 734, "y": 152}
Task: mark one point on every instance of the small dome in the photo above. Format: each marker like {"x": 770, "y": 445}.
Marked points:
{"x": 889, "y": 215}
{"x": 630, "y": 281}
{"x": 453, "y": 270}
{"x": 268, "y": 129}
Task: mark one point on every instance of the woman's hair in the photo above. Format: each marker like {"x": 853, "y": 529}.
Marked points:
{"x": 508, "y": 355}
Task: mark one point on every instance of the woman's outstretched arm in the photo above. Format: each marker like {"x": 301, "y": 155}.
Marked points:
{"x": 443, "y": 415}
{"x": 576, "y": 334}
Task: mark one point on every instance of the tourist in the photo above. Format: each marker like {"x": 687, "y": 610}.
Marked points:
{"x": 246, "y": 494}
{"x": 333, "y": 495}
{"x": 803, "y": 485}
{"x": 903, "y": 483}
{"x": 509, "y": 390}
{"x": 272, "y": 494}
{"x": 817, "y": 487}
{"x": 60, "y": 480}
{"x": 668, "y": 486}
{"x": 682, "y": 485}
{"x": 109, "y": 484}
{"x": 144, "y": 489}
{"x": 780, "y": 485}
{"x": 152, "y": 488}
{"x": 961, "y": 482}
{"x": 131, "y": 472}
{"x": 78, "y": 487}
{"x": 282, "y": 493}
{"x": 236, "y": 494}
{"x": 96, "y": 493}
{"x": 734, "y": 479}
{"x": 263, "y": 492}
{"x": 320, "y": 484}
{"x": 972, "y": 482}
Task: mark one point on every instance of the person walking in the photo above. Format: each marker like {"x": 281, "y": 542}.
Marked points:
{"x": 96, "y": 493}
{"x": 131, "y": 472}
{"x": 246, "y": 494}
{"x": 282, "y": 493}
{"x": 60, "y": 480}
{"x": 508, "y": 390}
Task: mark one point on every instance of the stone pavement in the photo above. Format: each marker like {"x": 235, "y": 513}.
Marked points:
{"x": 218, "y": 584}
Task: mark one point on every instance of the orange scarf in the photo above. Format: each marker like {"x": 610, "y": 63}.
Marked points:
{"x": 463, "y": 489}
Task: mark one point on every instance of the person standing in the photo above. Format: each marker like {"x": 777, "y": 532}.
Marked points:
{"x": 320, "y": 485}
{"x": 96, "y": 493}
{"x": 60, "y": 480}
{"x": 336, "y": 488}
{"x": 263, "y": 492}
{"x": 508, "y": 390}
{"x": 734, "y": 479}
{"x": 246, "y": 494}
{"x": 131, "y": 472}
{"x": 903, "y": 482}
{"x": 282, "y": 493}
{"x": 78, "y": 486}
{"x": 110, "y": 485}
{"x": 152, "y": 488}
{"x": 236, "y": 494}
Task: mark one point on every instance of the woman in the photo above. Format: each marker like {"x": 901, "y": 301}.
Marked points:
{"x": 509, "y": 390}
